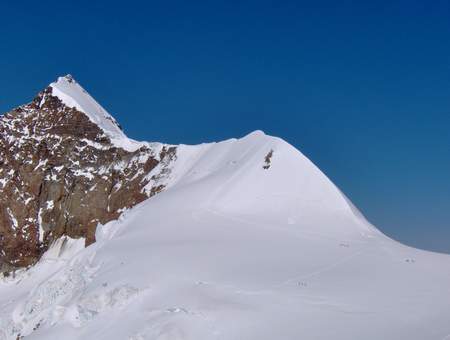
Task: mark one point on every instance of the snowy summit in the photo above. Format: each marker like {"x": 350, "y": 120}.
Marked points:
{"x": 240, "y": 239}
{"x": 73, "y": 95}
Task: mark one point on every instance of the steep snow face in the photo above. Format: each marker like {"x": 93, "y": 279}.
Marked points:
{"x": 248, "y": 241}
{"x": 73, "y": 95}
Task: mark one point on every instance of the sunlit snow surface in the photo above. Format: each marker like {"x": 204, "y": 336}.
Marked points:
{"x": 234, "y": 251}
{"x": 73, "y": 95}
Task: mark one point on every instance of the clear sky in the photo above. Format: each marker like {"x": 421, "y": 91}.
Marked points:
{"x": 360, "y": 87}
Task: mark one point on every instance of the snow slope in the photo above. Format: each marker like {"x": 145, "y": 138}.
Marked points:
{"x": 240, "y": 246}
{"x": 73, "y": 95}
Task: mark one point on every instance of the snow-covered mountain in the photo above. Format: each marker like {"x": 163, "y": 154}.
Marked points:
{"x": 65, "y": 166}
{"x": 246, "y": 239}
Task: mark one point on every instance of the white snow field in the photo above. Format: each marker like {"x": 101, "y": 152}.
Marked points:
{"x": 250, "y": 241}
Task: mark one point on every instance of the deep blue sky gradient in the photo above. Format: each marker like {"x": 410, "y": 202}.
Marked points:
{"x": 361, "y": 88}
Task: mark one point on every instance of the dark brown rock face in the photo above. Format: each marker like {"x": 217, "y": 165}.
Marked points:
{"x": 60, "y": 174}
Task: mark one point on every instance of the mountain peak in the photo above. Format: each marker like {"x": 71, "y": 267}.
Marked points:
{"x": 65, "y": 167}
{"x": 68, "y": 77}
{"x": 73, "y": 95}
{"x": 259, "y": 133}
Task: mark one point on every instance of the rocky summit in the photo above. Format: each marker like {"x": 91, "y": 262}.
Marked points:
{"x": 65, "y": 167}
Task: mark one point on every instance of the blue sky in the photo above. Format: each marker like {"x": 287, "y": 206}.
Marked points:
{"x": 362, "y": 89}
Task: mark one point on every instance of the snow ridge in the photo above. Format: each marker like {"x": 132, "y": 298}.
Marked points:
{"x": 73, "y": 95}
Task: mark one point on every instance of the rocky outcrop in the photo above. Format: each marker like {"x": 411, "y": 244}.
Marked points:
{"x": 61, "y": 174}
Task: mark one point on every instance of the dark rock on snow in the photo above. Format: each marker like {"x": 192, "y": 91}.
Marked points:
{"x": 61, "y": 174}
